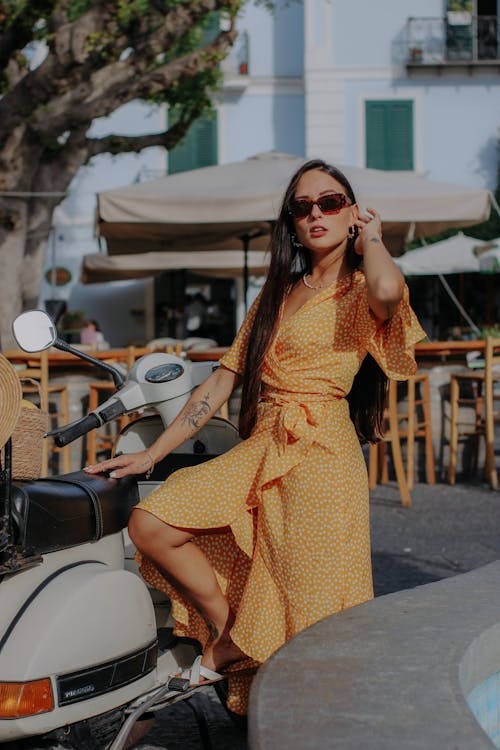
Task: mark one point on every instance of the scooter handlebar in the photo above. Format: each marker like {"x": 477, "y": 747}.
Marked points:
{"x": 70, "y": 432}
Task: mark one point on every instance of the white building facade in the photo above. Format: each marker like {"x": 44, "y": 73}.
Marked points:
{"x": 394, "y": 84}
{"x": 405, "y": 84}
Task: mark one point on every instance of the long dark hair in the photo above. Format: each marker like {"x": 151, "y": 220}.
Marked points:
{"x": 368, "y": 394}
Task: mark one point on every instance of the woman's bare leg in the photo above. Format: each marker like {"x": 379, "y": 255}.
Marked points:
{"x": 186, "y": 566}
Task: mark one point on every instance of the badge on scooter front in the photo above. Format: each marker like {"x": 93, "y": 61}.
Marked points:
{"x": 164, "y": 373}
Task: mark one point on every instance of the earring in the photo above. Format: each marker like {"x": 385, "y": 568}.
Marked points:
{"x": 295, "y": 241}
{"x": 353, "y": 231}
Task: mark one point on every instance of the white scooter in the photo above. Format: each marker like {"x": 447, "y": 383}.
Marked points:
{"x": 85, "y": 646}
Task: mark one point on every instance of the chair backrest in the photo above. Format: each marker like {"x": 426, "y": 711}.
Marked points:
{"x": 491, "y": 370}
{"x": 162, "y": 343}
{"x": 130, "y": 357}
{"x": 35, "y": 367}
{"x": 491, "y": 374}
{"x": 198, "y": 343}
{"x": 491, "y": 362}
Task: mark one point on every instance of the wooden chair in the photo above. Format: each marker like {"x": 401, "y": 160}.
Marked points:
{"x": 417, "y": 416}
{"x": 466, "y": 392}
{"x": 60, "y": 417}
{"x": 377, "y": 452}
{"x": 419, "y": 425}
{"x": 491, "y": 376}
{"x": 174, "y": 349}
{"x": 476, "y": 391}
{"x": 103, "y": 439}
{"x": 166, "y": 343}
{"x": 36, "y": 367}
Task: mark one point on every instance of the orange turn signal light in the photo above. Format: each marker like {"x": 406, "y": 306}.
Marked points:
{"x": 18, "y": 699}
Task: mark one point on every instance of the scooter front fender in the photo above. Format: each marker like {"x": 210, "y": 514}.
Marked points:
{"x": 83, "y": 620}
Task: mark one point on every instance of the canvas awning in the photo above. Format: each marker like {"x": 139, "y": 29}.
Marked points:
{"x": 233, "y": 205}
{"x": 99, "y": 267}
{"x": 458, "y": 254}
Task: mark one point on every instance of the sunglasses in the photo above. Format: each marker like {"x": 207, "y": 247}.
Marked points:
{"x": 328, "y": 204}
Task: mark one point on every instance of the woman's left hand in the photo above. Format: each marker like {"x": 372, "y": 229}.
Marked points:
{"x": 369, "y": 230}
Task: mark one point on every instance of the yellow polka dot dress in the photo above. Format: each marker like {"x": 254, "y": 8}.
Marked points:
{"x": 284, "y": 514}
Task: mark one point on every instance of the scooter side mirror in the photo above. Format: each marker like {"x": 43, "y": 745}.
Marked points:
{"x": 34, "y": 331}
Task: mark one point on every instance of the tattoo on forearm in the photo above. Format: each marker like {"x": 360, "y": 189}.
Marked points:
{"x": 214, "y": 633}
{"x": 195, "y": 412}
{"x": 376, "y": 240}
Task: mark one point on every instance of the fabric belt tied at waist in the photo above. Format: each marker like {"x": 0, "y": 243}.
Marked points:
{"x": 295, "y": 422}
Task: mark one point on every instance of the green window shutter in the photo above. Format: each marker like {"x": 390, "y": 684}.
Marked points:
{"x": 198, "y": 147}
{"x": 389, "y": 134}
{"x": 211, "y": 28}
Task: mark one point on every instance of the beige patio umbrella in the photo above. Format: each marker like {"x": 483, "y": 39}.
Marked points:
{"x": 231, "y": 206}
{"x": 98, "y": 267}
{"x": 457, "y": 254}
{"x": 214, "y": 207}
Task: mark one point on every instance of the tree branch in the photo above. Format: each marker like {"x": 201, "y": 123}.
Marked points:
{"x": 118, "y": 84}
{"x": 65, "y": 74}
{"x": 16, "y": 36}
{"x": 120, "y": 144}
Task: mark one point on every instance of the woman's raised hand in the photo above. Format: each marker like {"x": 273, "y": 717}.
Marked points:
{"x": 370, "y": 229}
{"x": 124, "y": 465}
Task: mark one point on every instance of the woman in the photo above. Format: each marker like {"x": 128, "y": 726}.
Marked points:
{"x": 91, "y": 334}
{"x": 280, "y": 523}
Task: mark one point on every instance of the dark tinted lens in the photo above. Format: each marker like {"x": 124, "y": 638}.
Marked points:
{"x": 331, "y": 204}
{"x": 328, "y": 204}
{"x": 300, "y": 209}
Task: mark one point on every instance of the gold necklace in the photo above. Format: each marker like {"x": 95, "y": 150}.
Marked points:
{"x": 320, "y": 286}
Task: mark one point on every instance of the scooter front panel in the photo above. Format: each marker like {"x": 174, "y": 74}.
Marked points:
{"x": 105, "y": 621}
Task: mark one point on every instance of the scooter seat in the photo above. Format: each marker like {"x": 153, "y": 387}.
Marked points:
{"x": 59, "y": 512}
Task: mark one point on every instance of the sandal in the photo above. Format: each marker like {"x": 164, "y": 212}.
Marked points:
{"x": 191, "y": 677}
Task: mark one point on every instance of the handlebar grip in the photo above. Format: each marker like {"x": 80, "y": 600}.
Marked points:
{"x": 70, "y": 432}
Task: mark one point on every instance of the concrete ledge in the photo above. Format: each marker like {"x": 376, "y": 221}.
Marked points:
{"x": 390, "y": 674}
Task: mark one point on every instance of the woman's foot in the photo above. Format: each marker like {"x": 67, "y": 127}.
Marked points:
{"x": 221, "y": 652}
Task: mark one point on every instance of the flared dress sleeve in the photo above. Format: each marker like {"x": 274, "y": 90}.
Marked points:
{"x": 235, "y": 358}
{"x": 390, "y": 342}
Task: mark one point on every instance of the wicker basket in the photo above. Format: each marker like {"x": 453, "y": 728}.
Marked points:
{"x": 27, "y": 439}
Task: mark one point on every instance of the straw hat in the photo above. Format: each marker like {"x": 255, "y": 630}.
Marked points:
{"x": 10, "y": 399}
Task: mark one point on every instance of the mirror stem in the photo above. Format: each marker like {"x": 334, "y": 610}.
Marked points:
{"x": 118, "y": 378}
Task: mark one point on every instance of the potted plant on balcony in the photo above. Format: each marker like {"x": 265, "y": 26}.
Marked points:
{"x": 416, "y": 54}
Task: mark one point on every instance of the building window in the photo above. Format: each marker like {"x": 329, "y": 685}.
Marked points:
{"x": 389, "y": 134}
{"x": 198, "y": 148}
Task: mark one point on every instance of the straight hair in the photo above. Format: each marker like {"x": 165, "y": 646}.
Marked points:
{"x": 288, "y": 262}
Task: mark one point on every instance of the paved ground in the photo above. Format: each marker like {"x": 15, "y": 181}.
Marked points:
{"x": 448, "y": 530}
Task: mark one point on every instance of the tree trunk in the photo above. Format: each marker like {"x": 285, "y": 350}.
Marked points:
{"x": 46, "y": 112}
{"x": 12, "y": 264}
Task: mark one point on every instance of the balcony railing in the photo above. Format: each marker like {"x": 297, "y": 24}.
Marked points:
{"x": 457, "y": 38}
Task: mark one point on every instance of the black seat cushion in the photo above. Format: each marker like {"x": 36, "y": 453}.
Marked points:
{"x": 60, "y": 512}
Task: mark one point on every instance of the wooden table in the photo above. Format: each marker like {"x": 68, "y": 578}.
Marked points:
{"x": 58, "y": 359}
{"x": 207, "y": 355}
{"x": 431, "y": 351}
{"x": 438, "y": 352}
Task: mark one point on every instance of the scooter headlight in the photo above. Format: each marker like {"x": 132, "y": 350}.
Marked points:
{"x": 18, "y": 699}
